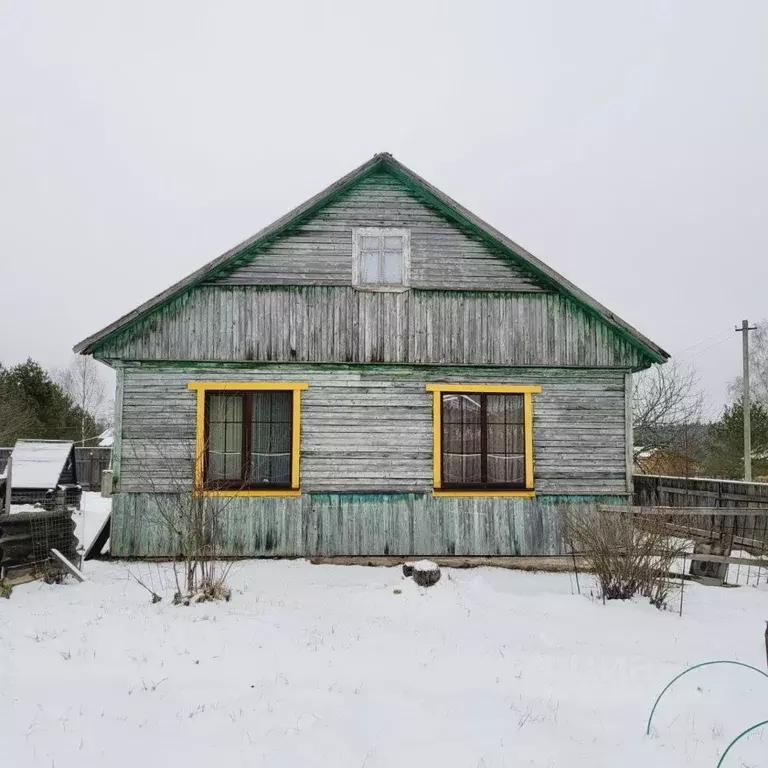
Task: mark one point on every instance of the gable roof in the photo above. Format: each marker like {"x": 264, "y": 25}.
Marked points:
{"x": 39, "y": 464}
{"x": 383, "y": 162}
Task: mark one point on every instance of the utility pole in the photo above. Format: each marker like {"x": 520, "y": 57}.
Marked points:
{"x": 745, "y": 403}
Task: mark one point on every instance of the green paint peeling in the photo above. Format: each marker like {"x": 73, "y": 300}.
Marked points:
{"x": 355, "y": 524}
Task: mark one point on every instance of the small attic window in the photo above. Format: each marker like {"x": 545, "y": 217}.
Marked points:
{"x": 381, "y": 258}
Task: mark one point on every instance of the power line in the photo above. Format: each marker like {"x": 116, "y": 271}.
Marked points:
{"x": 727, "y": 333}
{"x": 711, "y": 346}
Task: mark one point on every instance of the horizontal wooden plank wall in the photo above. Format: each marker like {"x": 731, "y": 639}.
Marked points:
{"x": 341, "y": 324}
{"x": 370, "y": 428}
{"x": 319, "y": 252}
{"x": 356, "y": 524}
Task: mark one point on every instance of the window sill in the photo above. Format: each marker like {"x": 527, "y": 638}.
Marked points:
{"x": 502, "y": 494}
{"x": 287, "y": 492}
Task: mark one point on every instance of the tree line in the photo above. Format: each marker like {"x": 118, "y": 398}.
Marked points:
{"x": 672, "y": 437}
{"x": 70, "y": 404}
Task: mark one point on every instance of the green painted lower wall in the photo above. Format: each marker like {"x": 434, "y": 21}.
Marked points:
{"x": 354, "y": 524}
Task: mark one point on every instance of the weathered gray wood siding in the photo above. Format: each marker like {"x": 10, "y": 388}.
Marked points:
{"x": 341, "y": 324}
{"x": 370, "y": 428}
{"x": 358, "y": 524}
{"x": 319, "y": 252}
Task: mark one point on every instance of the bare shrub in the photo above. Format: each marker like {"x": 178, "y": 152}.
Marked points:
{"x": 190, "y": 519}
{"x": 630, "y": 555}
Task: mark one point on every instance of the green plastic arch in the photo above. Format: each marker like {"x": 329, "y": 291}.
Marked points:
{"x": 741, "y": 735}
{"x": 690, "y": 669}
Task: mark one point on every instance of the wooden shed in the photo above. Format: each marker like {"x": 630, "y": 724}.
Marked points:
{"x": 39, "y": 468}
{"x": 379, "y": 372}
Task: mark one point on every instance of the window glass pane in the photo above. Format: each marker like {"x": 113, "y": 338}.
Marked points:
{"x": 393, "y": 244}
{"x": 483, "y": 440}
{"x": 216, "y": 452}
{"x": 392, "y": 267}
{"x": 506, "y": 470}
{"x": 369, "y": 244}
{"x": 225, "y": 437}
{"x": 369, "y": 267}
{"x": 505, "y": 409}
{"x": 271, "y": 422}
{"x": 461, "y": 452}
{"x": 506, "y": 440}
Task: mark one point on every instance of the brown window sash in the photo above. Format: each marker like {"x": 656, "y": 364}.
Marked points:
{"x": 483, "y": 484}
{"x": 244, "y": 483}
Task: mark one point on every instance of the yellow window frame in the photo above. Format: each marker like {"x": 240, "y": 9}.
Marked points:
{"x": 527, "y": 390}
{"x": 201, "y": 387}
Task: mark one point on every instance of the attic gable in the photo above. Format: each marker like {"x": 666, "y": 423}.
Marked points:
{"x": 538, "y": 273}
{"x": 319, "y": 249}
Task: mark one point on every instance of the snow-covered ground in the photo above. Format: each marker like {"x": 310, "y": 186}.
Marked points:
{"x": 94, "y": 509}
{"x": 357, "y": 667}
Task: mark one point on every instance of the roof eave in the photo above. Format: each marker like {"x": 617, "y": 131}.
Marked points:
{"x": 542, "y": 270}
{"x": 87, "y": 345}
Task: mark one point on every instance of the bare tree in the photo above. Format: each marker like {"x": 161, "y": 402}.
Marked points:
{"x": 667, "y": 412}
{"x": 758, "y": 367}
{"x": 83, "y": 383}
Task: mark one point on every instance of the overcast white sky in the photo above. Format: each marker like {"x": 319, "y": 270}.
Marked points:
{"x": 624, "y": 143}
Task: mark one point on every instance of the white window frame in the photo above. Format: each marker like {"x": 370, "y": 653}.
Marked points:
{"x": 358, "y": 233}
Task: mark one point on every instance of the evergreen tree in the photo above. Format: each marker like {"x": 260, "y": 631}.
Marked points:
{"x": 726, "y": 455}
{"x": 39, "y": 406}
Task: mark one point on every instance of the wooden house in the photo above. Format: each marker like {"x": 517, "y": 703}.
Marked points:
{"x": 379, "y": 372}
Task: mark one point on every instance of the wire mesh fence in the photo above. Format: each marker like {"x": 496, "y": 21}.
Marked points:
{"x": 32, "y": 529}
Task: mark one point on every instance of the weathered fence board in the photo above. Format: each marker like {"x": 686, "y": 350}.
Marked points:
{"x": 678, "y": 511}
{"x": 91, "y": 462}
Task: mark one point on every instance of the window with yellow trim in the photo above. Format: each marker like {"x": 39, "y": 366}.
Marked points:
{"x": 248, "y": 437}
{"x": 483, "y": 437}
{"x": 248, "y": 440}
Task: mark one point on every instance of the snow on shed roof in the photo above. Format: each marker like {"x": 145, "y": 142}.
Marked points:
{"x": 39, "y": 463}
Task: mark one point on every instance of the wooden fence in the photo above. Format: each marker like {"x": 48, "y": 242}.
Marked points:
{"x": 658, "y": 490}
{"x": 91, "y": 462}
{"x": 684, "y": 495}
{"x": 723, "y": 517}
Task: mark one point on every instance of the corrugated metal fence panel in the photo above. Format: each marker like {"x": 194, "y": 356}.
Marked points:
{"x": 371, "y": 430}
{"x": 322, "y": 324}
{"x": 357, "y": 524}
{"x": 319, "y": 252}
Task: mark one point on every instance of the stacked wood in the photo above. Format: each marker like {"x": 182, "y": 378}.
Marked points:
{"x": 26, "y": 538}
